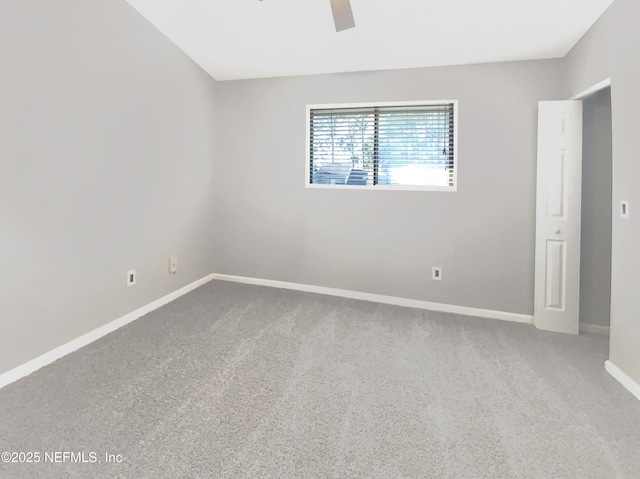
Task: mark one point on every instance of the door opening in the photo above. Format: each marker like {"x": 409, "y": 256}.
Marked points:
{"x": 595, "y": 256}
{"x": 573, "y": 289}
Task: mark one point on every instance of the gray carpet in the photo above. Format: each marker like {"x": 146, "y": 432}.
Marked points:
{"x": 236, "y": 381}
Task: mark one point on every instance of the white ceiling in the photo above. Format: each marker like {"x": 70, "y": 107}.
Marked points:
{"x": 234, "y": 39}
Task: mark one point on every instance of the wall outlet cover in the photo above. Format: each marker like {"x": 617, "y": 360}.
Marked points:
{"x": 436, "y": 273}
{"x": 131, "y": 277}
{"x": 173, "y": 264}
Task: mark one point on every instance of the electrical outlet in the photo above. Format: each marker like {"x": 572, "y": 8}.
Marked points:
{"x": 436, "y": 273}
{"x": 624, "y": 209}
{"x": 131, "y": 277}
{"x": 173, "y": 264}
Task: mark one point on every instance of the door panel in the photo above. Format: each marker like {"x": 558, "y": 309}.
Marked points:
{"x": 559, "y": 190}
{"x": 555, "y": 271}
{"x": 555, "y": 197}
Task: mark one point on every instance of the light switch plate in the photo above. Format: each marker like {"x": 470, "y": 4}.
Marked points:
{"x": 624, "y": 209}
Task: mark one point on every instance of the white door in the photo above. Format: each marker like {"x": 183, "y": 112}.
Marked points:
{"x": 559, "y": 190}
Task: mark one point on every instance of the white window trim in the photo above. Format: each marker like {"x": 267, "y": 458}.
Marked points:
{"x": 307, "y": 174}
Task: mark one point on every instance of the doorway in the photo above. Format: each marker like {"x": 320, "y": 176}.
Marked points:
{"x": 573, "y": 286}
{"x": 595, "y": 256}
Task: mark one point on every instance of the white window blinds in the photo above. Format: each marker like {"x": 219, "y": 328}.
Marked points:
{"x": 410, "y": 145}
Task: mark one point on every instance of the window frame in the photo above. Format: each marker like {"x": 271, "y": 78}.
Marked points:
{"x": 310, "y": 107}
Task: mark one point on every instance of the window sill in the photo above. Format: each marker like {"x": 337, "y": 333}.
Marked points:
{"x": 443, "y": 189}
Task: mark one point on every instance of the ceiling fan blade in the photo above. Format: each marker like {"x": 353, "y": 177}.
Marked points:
{"x": 342, "y": 14}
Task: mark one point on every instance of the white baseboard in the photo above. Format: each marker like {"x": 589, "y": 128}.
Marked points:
{"x": 594, "y": 329}
{"x": 75, "y": 344}
{"x": 379, "y": 298}
{"x": 632, "y": 386}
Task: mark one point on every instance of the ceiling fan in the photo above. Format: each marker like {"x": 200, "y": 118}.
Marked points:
{"x": 342, "y": 14}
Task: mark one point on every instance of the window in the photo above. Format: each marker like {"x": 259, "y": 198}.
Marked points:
{"x": 384, "y": 146}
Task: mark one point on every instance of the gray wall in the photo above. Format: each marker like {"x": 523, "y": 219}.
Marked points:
{"x": 386, "y": 242}
{"x": 106, "y": 165}
{"x": 595, "y": 251}
{"x": 611, "y": 49}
